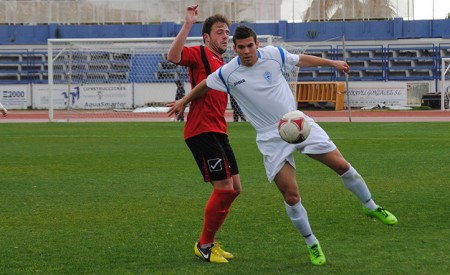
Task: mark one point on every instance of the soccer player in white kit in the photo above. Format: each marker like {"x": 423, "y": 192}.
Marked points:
{"x": 255, "y": 79}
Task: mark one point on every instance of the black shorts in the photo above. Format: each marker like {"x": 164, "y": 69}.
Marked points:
{"x": 214, "y": 156}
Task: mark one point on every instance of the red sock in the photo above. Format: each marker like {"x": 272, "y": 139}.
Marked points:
{"x": 216, "y": 211}
{"x": 231, "y": 200}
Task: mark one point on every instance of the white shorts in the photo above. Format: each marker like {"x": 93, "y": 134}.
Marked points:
{"x": 276, "y": 151}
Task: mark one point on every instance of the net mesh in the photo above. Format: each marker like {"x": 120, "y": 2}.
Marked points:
{"x": 122, "y": 79}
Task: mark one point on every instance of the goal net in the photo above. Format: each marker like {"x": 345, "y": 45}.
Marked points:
{"x": 445, "y": 83}
{"x": 119, "y": 79}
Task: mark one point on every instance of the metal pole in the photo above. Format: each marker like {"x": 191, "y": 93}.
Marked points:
{"x": 407, "y": 7}
{"x": 69, "y": 83}
{"x": 445, "y": 66}
{"x": 433, "y": 9}
{"x": 346, "y": 81}
{"x": 50, "y": 81}
{"x": 293, "y": 13}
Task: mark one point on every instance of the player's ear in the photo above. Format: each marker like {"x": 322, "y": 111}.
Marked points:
{"x": 257, "y": 44}
{"x": 205, "y": 37}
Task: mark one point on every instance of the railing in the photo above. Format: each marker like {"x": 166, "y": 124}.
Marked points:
{"x": 321, "y": 92}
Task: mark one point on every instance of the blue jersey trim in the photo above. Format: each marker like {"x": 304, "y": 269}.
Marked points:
{"x": 223, "y": 80}
{"x": 282, "y": 55}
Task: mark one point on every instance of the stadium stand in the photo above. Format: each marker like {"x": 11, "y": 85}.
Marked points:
{"x": 380, "y": 58}
{"x": 412, "y": 62}
{"x": 375, "y": 63}
{"x": 23, "y": 66}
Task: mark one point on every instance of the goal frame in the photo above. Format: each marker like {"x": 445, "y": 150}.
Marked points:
{"x": 51, "y": 44}
{"x": 445, "y": 66}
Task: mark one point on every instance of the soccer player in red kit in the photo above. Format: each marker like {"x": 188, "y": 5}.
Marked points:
{"x": 205, "y": 131}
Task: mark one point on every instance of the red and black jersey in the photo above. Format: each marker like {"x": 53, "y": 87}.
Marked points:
{"x": 206, "y": 114}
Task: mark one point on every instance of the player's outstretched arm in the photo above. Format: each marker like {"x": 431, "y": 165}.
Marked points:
{"x": 314, "y": 61}
{"x": 177, "y": 107}
{"x": 174, "y": 54}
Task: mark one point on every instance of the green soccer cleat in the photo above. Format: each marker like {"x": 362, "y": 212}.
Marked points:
{"x": 382, "y": 214}
{"x": 316, "y": 255}
{"x": 209, "y": 254}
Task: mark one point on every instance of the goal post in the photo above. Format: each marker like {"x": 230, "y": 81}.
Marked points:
{"x": 445, "y": 83}
{"x": 118, "y": 78}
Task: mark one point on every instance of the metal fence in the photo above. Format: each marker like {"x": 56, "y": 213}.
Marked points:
{"x": 132, "y": 11}
{"x": 155, "y": 11}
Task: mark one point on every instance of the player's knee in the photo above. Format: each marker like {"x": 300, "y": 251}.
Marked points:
{"x": 290, "y": 193}
{"x": 342, "y": 167}
{"x": 291, "y": 198}
{"x": 226, "y": 184}
{"x": 237, "y": 186}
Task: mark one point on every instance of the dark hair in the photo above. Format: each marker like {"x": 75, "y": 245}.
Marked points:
{"x": 242, "y": 32}
{"x": 210, "y": 21}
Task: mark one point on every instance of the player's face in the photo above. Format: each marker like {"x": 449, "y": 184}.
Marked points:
{"x": 247, "y": 50}
{"x": 217, "y": 41}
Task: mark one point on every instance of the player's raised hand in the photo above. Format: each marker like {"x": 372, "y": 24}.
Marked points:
{"x": 191, "y": 14}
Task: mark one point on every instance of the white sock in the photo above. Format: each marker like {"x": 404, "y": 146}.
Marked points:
{"x": 299, "y": 217}
{"x": 355, "y": 183}
{"x": 206, "y": 245}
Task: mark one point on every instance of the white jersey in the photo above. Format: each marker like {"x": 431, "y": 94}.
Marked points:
{"x": 264, "y": 96}
{"x": 261, "y": 90}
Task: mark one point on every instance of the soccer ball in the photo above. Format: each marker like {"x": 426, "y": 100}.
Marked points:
{"x": 293, "y": 127}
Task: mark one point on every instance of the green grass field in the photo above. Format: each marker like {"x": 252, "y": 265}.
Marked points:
{"x": 127, "y": 198}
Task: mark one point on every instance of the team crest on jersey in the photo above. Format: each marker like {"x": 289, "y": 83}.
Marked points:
{"x": 268, "y": 77}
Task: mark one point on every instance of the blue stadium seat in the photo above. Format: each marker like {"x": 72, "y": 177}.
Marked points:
{"x": 368, "y": 63}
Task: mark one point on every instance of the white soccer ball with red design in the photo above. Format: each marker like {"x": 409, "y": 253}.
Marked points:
{"x": 293, "y": 127}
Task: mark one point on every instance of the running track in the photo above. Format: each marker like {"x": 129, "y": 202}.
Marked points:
{"x": 319, "y": 116}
